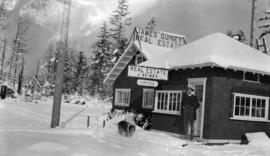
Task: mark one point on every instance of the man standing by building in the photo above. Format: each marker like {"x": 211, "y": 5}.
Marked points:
{"x": 190, "y": 105}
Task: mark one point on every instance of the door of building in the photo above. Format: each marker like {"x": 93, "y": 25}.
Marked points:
{"x": 200, "y": 87}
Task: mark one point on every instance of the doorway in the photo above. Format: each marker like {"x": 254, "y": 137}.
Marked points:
{"x": 200, "y": 87}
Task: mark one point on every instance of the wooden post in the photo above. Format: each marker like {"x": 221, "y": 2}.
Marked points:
{"x": 88, "y": 121}
{"x": 104, "y": 123}
{"x": 3, "y": 58}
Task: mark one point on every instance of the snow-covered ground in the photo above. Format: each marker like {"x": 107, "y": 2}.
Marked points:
{"x": 24, "y": 131}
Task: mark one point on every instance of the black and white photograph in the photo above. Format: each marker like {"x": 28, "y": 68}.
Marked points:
{"x": 134, "y": 77}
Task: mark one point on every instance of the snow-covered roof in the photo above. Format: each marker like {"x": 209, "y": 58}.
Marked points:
{"x": 214, "y": 50}
{"x": 149, "y": 52}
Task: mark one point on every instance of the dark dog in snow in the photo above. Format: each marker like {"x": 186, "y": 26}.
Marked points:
{"x": 125, "y": 128}
{"x": 244, "y": 140}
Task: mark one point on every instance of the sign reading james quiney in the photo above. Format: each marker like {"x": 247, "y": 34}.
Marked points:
{"x": 148, "y": 73}
{"x": 160, "y": 38}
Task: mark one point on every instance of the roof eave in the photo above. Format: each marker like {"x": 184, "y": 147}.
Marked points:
{"x": 212, "y": 64}
{"x": 116, "y": 64}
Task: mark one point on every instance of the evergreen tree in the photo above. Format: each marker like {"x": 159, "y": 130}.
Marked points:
{"x": 69, "y": 70}
{"x": 119, "y": 21}
{"x": 80, "y": 73}
{"x": 151, "y": 24}
{"x": 19, "y": 47}
{"x": 265, "y": 26}
{"x": 51, "y": 62}
{"x": 102, "y": 59}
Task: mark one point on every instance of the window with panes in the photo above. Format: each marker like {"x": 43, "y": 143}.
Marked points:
{"x": 168, "y": 101}
{"x": 148, "y": 98}
{"x": 122, "y": 97}
{"x": 250, "y": 107}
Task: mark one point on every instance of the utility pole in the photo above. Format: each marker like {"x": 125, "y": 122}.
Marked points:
{"x": 252, "y": 23}
{"x": 3, "y": 58}
{"x": 20, "y": 81}
{"x": 36, "y": 76}
{"x": 60, "y": 65}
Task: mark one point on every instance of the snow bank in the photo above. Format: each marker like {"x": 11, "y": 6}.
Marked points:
{"x": 258, "y": 139}
{"x": 16, "y": 113}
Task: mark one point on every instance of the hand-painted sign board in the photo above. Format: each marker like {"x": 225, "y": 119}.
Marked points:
{"x": 148, "y": 73}
{"x": 159, "y": 38}
{"x": 148, "y": 83}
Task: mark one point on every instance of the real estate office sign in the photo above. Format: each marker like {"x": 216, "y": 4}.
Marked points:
{"x": 148, "y": 73}
{"x": 159, "y": 38}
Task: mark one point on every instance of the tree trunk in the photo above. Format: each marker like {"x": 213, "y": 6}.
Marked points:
{"x": 14, "y": 48}
{"x": 3, "y": 58}
{"x": 15, "y": 70}
{"x": 20, "y": 81}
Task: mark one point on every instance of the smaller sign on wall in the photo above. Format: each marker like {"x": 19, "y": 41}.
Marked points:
{"x": 148, "y": 83}
{"x": 148, "y": 73}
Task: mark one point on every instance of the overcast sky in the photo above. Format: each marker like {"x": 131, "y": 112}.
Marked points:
{"x": 192, "y": 18}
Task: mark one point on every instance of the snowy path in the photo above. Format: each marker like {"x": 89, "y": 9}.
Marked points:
{"x": 24, "y": 131}
{"x": 15, "y": 113}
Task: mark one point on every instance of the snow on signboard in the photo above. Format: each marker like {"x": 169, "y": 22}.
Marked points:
{"x": 159, "y": 38}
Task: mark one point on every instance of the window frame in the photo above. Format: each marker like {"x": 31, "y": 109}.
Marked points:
{"x": 144, "y": 100}
{"x": 258, "y": 77}
{"x": 167, "y": 111}
{"x": 116, "y": 100}
{"x": 250, "y": 117}
{"x": 138, "y": 56}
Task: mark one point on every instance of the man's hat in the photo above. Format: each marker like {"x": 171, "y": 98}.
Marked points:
{"x": 191, "y": 87}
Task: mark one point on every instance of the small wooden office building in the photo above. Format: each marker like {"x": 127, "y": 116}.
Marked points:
{"x": 232, "y": 82}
